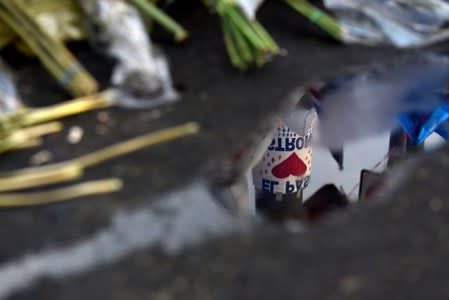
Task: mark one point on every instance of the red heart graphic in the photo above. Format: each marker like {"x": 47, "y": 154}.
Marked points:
{"x": 293, "y": 165}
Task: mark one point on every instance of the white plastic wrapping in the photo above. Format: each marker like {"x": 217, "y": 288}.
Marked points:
{"x": 141, "y": 75}
{"x": 402, "y": 23}
{"x": 9, "y": 100}
{"x": 250, "y": 7}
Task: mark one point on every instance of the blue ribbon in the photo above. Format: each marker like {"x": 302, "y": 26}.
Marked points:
{"x": 69, "y": 74}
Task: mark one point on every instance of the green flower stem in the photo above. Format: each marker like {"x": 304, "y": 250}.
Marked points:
{"x": 53, "y": 54}
{"x": 231, "y": 47}
{"x": 245, "y": 28}
{"x": 317, "y": 16}
{"x": 263, "y": 34}
{"x": 162, "y": 18}
{"x": 240, "y": 42}
{"x": 258, "y": 56}
{"x": 247, "y": 42}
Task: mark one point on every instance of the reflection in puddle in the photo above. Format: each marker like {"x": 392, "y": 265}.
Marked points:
{"x": 369, "y": 154}
{"x": 352, "y": 120}
{"x": 364, "y": 154}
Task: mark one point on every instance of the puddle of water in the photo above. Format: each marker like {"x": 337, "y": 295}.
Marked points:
{"x": 359, "y": 112}
{"x": 370, "y": 153}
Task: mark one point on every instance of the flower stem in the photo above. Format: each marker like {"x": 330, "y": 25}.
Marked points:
{"x": 89, "y": 188}
{"x": 162, "y": 18}
{"x": 319, "y": 17}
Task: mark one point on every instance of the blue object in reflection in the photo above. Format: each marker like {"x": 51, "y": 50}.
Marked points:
{"x": 420, "y": 126}
{"x": 438, "y": 117}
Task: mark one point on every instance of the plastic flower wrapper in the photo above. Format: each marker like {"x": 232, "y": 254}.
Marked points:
{"x": 9, "y": 100}
{"x": 141, "y": 78}
{"x": 372, "y": 102}
{"x": 61, "y": 19}
{"x": 404, "y": 24}
{"x": 250, "y": 7}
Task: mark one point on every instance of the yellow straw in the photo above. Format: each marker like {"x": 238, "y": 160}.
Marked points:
{"x": 73, "y": 169}
{"x": 96, "y": 187}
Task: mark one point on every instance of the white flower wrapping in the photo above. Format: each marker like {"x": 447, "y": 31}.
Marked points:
{"x": 250, "y": 7}
{"x": 402, "y": 23}
{"x": 141, "y": 74}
